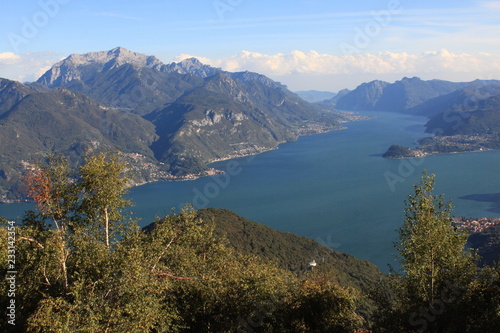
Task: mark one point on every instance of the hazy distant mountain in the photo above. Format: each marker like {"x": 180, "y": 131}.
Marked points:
{"x": 467, "y": 119}
{"x": 399, "y": 96}
{"x": 314, "y": 96}
{"x": 364, "y": 97}
{"x": 332, "y": 102}
{"x": 463, "y": 99}
{"x": 482, "y": 120}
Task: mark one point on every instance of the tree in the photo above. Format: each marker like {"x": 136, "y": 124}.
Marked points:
{"x": 319, "y": 305}
{"x": 214, "y": 288}
{"x": 55, "y": 195}
{"x": 104, "y": 185}
{"x": 431, "y": 248}
{"x": 436, "y": 268}
{"x": 54, "y": 191}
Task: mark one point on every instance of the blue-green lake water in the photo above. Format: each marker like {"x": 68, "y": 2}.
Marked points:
{"x": 333, "y": 187}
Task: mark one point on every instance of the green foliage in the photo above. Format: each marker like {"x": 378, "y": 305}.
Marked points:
{"x": 213, "y": 286}
{"x": 397, "y": 151}
{"x": 179, "y": 276}
{"x": 293, "y": 253}
{"x": 431, "y": 249}
{"x": 321, "y": 306}
{"x": 212, "y": 271}
{"x": 104, "y": 186}
{"x": 439, "y": 288}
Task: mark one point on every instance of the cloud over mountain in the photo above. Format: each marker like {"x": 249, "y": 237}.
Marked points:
{"x": 313, "y": 62}
{"x": 26, "y": 66}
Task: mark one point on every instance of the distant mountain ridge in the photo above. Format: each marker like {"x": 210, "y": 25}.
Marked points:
{"x": 463, "y": 116}
{"x": 399, "y": 96}
{"x": 127, "y": 80}
{"x": 191, "y": 66}
{"x": 315, "y": 96}
{"x": 250, "y": 121}
{"x": 466, "y": 119}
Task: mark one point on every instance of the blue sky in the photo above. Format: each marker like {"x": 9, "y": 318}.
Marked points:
{"x": 306, "y": 44}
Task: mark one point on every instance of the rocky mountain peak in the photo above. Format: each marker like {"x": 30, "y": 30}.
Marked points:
{"x": 192, "y": 66}
{"x": 118, "y": 56}
{"x": 86, "y": 66}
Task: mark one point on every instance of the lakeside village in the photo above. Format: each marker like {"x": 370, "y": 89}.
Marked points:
{"x": 475, "y": 225}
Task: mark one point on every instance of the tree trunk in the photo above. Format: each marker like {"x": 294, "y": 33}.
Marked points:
{"x": 63, "y": 258}
{"x": 106, "y": 225}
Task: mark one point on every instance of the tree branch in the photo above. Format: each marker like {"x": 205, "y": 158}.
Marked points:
{"x": 158, "y": 273}
{"x": 31, "y": 240}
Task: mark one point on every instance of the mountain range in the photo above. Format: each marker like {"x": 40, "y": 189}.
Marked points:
{"x": 168, "y": 120}
{"x": 463, "y": 116}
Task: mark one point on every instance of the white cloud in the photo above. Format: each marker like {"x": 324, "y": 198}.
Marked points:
{"x": 26, "y": 66}
{"x": 315, "y": 63}
{"x": 8, "y": 58}
{"x": 313, "y": 70}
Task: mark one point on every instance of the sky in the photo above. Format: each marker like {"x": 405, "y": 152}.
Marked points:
{"x": 322, "y": 45}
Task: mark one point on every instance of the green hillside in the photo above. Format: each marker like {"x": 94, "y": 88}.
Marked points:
{"x": 290, "y": 251}
{"x": 67, "y": 123}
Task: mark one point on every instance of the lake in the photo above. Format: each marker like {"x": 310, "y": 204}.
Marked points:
{"x": 333, "y": 187}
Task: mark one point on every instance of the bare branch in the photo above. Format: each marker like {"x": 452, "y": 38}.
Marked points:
{"x": 31, "y": 240}
{"x": 174, "y": 276}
